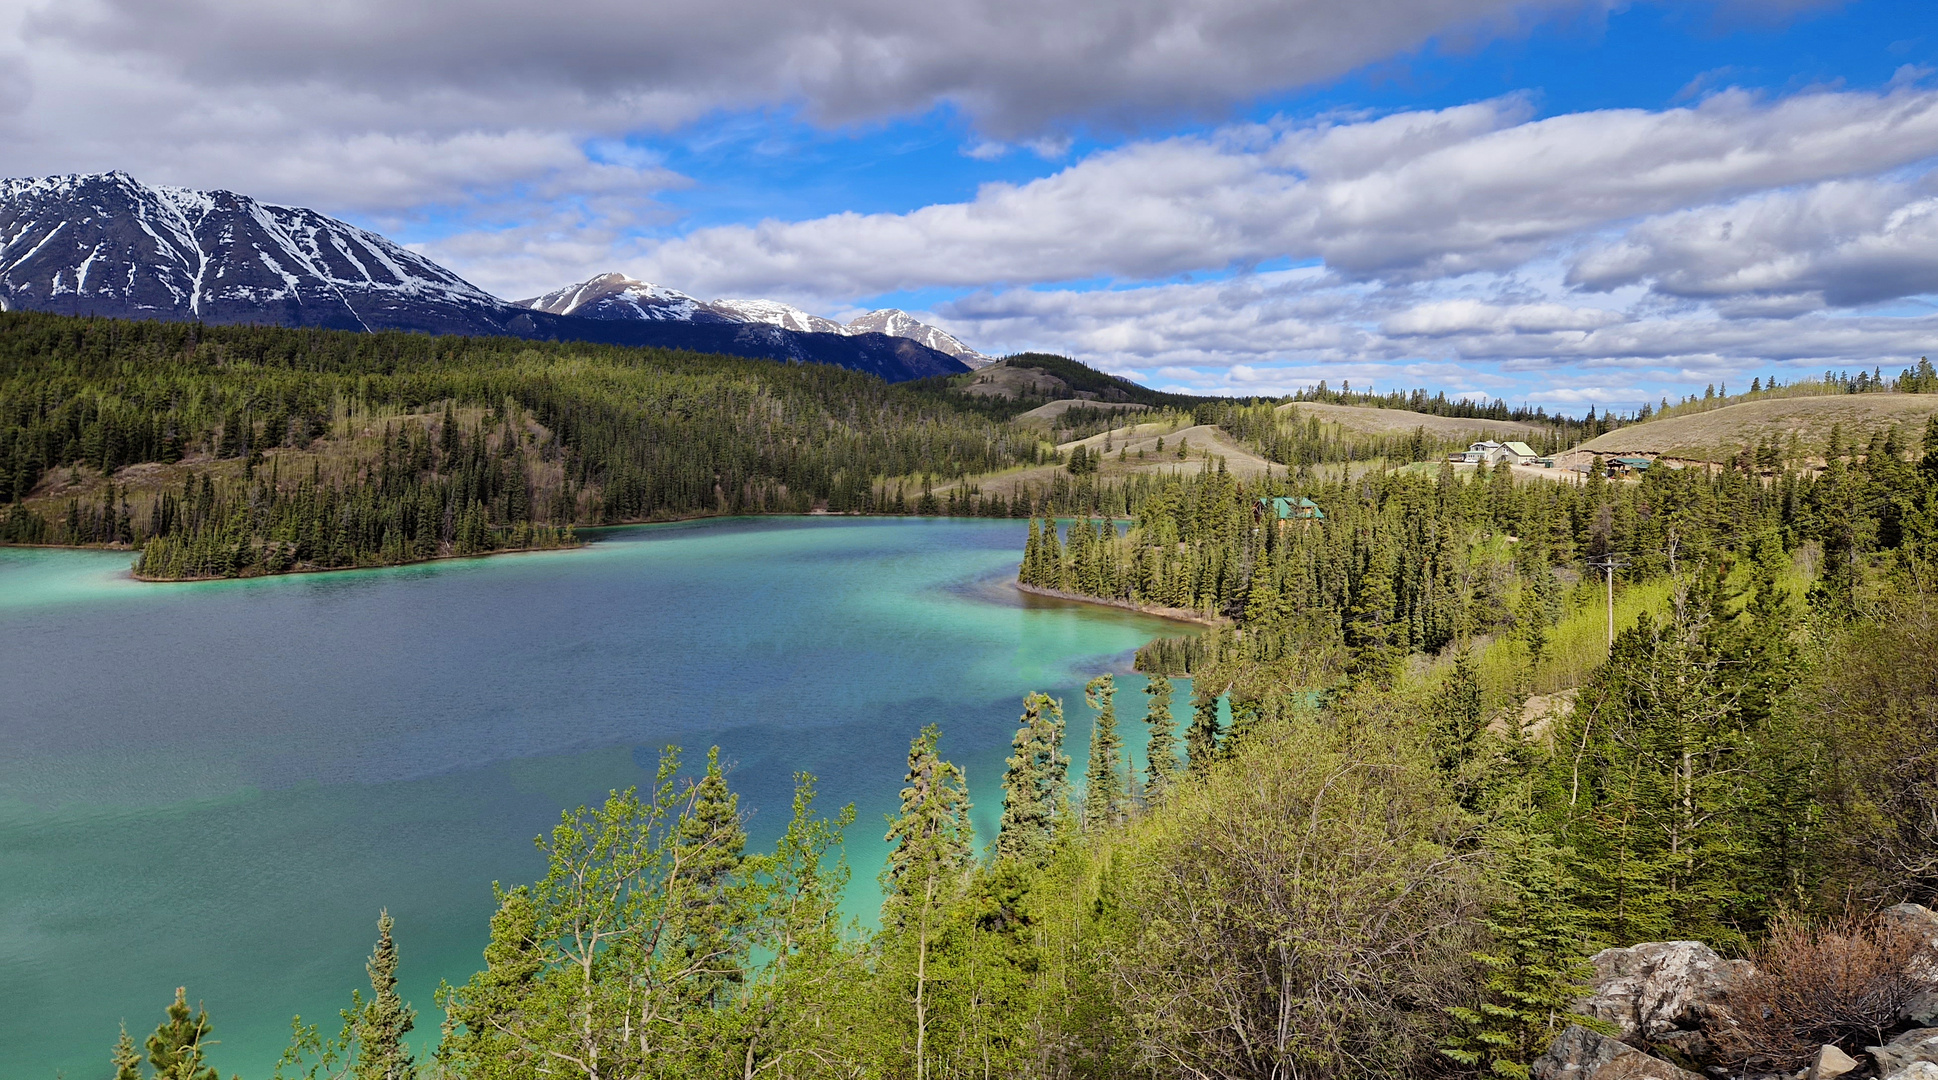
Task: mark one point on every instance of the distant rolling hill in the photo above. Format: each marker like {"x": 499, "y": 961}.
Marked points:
{"x": 1719, "y": 434}
{"x": 1366, "y": 420}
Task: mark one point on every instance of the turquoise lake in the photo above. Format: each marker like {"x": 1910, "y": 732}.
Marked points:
{"x": 218, "y": 785}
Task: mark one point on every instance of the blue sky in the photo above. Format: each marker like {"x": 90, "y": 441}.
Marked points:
{"x": 1567, "y": 202}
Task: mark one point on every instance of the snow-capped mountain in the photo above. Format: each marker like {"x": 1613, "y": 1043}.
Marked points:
{"x": 618, "y": 297}
{"x": 898, "y": 323}
{"x": 775, "y": 313}
{"x": 107, "y": 244}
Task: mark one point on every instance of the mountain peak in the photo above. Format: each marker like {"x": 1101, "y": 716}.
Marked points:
{"x": 615, "y": 296}
{"x": 898, "y": 323}
{"x": 108, "y": 244}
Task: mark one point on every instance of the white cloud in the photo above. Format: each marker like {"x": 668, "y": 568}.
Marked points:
{"x": 1415, "y": 196}
{"x": 1017, "y": 67}
{"x": 1840, "y": 243}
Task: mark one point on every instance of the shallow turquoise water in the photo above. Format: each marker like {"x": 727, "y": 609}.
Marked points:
{"x": 217, "y": 785}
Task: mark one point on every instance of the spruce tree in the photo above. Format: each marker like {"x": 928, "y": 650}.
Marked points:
{"x": 926, "y": 868}
{"x": 1458, "y": 706}
{"x": 708, "y": 849}
{"x": 1035, "y": 784}
{"x": 931, "y": 837}
{"x": 1104, "y": 795}
{"x": 1201, "y": 739}
{"x": 383, "y": 1022}
{"x": 1536, "y": 966}
{"x": 127, "y": 1060}
{"x": 175, "y": 1049}
{"x": 1161, "y": 752}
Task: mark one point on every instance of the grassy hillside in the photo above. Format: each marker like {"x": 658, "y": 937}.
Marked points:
{"x": 1371, "y": 421}
{"x": 1801, "y": 425}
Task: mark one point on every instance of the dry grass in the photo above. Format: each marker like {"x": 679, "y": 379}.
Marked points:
{"x": 1718, "y": 434}
{"x": 1364, "y": 420}
{"x": 1049, "y": 411}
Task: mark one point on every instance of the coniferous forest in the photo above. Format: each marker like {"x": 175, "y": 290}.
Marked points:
{"x": 1446, "y": 733}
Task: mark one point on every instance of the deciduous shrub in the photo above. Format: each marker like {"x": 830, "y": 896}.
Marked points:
{"x": 1842, "y": 982}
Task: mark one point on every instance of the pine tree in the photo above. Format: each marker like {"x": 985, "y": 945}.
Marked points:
{"x": 127, "y": 1060}
{"x": 1458, "y": 706}
{"x": 175, "y": 1049}
{"x": 1201, "y": 739}
{"x": 1536, "y": 966}
{"x": 1104, "y": 794}
{"x": 932, "y": 840}
{"x": 708, "y": 847}
{"x": 1035, "y": 784}
{"x": 1161, "y": 752}
{"x": 386, "y": 1019}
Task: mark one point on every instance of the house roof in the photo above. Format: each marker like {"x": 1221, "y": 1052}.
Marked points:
{"x": 1521, "y": 449}
{"x": 1288, "y": 508}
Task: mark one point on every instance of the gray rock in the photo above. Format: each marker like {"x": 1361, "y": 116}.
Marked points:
{"x": 1917, "y": 1070}
{"x": 1830, "y": 1062}
{"x": 1580, "y": 1054}
{"x": 1659, "y": 987}
{"x": 1918, "y": 1044}
{"x": 1913, "y": 918}
{"x": 1921, "y": 1011}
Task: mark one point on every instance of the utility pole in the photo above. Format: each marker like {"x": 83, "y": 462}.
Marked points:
{"x": 1608, "y": 564}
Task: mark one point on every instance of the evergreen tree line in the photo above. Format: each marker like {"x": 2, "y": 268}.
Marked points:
{"x": 627, "y": 434}
{"x": 1439, "y": 404}
{"x": 428, "y": 494}
{"x": 1293, "y": 439}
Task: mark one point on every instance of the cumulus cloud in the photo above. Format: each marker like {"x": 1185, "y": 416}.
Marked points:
{"x": 1841, "y": 243}
{"x": 1413, "y": 196}
{"x": 1478, "y": 336}
{"x": 1017, "y": 67}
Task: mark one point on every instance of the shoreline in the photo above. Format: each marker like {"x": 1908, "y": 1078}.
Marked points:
{"x": 1183, "y": 615}
{"x": 584, "y": 542}
{"x": 323, "y": 569}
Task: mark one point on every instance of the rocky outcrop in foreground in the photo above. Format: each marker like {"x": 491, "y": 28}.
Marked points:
{"x": 1667, "y": 1003}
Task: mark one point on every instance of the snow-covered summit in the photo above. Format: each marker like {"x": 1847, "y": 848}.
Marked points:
{"x": 775, "y": 313}
{"x": 617, "y": 296}
{"x": 898, "y": 323}
{"x": 107, "y": 244}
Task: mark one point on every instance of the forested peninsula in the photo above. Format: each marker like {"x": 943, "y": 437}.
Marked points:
{"x": 1485, "y": 771}
{"x": 228, "y": 451}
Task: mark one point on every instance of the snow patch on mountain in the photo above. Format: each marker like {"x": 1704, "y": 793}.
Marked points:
{"x": 616, "y": 296}
{"x": 775, "y": 313}
{"x": 107, "y": 244}
{"x": 898, "y": 323}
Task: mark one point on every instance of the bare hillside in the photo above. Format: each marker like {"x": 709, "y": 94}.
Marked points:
{"x": 1717, "y": 435}
{"x": 1049, "y": 411}
{"x": 1370, "y": 421}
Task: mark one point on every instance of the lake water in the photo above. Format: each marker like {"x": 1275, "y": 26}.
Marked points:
{"x": 218, "y": 785}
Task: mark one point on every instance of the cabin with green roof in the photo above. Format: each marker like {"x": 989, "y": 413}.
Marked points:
{"x": 1285, "y": 508}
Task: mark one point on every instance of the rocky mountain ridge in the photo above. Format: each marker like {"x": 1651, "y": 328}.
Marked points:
{"x": 108, "y": 245}
{"x": 617, "y": 297}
